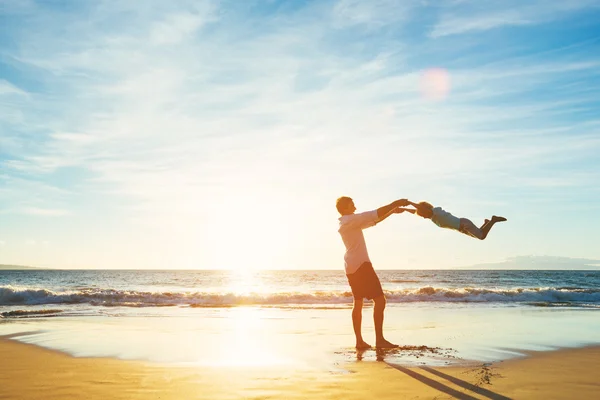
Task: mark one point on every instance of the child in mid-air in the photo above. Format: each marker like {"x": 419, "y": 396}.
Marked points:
{"x": 444, "y": 219}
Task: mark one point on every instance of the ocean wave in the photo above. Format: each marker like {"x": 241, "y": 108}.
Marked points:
{"x": 10, "y": 295}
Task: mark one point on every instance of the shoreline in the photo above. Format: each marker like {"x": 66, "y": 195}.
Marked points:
{"x": 263, "y": 337}
{"x": 31, "y": 371}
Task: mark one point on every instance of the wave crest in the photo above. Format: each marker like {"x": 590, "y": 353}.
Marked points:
{"x": 10, "y": 295}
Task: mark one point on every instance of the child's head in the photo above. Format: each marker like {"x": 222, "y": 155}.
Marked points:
{"x": 424, "y": 209}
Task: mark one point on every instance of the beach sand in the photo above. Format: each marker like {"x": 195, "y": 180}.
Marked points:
{"x": 31, "y": 372}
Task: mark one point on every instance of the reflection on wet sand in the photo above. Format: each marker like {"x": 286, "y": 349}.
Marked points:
{"x": 408, "y": 353}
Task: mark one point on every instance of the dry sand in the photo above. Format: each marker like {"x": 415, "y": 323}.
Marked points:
{"x": 31, "y": 372}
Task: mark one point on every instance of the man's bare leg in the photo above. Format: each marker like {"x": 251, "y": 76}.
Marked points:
{"x": 357, "y": 324}
{"x": 378, "y": 309}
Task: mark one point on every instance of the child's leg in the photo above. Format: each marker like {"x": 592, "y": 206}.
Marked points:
{"x": 467, "y": 227}
{"x": 470, "y": 229}
{"x": 486, "y": 228}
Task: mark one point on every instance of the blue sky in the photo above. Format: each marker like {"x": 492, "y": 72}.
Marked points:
{"x": 218, "y": 134}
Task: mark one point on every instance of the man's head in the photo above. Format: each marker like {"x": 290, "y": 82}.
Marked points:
{"x": 345, "y": 205}
{"x": 424, "y": 209}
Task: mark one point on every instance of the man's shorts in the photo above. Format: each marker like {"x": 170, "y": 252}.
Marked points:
{"x": 365, "y": 283}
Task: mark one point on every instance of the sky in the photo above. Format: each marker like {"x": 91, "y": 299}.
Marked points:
{"x": 218, "y": 134}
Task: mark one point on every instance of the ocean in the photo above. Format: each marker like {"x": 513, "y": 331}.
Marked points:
{"x": 267, "y": 316}
{"x": 90, "y": 289}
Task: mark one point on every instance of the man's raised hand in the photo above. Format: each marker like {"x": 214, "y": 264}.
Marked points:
{"x": 401, "y": 203}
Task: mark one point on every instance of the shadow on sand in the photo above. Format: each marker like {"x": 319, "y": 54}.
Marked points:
{"x": 484, "y": 373}
{"x": 446, "y": 389}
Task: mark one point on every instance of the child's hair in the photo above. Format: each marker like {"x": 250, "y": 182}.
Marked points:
{"x": 424, "y": 209}
{"x": 425, "y": 205}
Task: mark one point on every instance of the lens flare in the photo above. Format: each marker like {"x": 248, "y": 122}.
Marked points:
{"x": 435, "y": 83}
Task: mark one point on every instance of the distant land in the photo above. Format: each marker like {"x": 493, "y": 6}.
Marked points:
{"x": 541, "y": 263}
{"x": 5, "y": 266}
{"x": 511, "y": 263}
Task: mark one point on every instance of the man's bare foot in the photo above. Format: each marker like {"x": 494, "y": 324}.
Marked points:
{"x": 362, "y": 345}
{"x": 496, "y": 218}
{"x": 384, "y": 344}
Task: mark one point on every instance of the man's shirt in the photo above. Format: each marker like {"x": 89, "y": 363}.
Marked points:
{"x": 351, "y": 230}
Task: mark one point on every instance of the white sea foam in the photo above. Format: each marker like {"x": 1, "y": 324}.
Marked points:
{"x": 572, "y": 296}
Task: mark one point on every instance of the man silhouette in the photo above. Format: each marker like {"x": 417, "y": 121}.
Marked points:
{"x": 360, "y": 273}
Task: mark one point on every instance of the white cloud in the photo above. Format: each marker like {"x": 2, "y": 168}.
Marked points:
{"x": 475, "y": 16}
{"x": 16, "y": 6}
{"x": 44, "y": 212}
{"x": 165, "y": 104}
{"x": 6, "y": 88}
{"x": 73, "y": 138}
{"x": 452, "y": 25}
{"x": 371, "y": 13}
{"x": 177, "y": 27}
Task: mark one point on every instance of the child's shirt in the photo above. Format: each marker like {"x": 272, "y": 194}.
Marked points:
{"x": 444, "y": 219}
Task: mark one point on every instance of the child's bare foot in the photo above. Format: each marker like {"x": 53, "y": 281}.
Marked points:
{"x": 384, "y": 344}
{"x": 496, "y": 218}
{"x": 362, "y": 345}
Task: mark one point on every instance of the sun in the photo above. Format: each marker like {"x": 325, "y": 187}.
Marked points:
{"x": 255, "y": 235}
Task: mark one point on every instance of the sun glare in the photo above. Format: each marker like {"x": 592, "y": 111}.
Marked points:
{"x": 244, "y": 282}
{"x": 252, "y": 238}
{"x": 246, "y": 344}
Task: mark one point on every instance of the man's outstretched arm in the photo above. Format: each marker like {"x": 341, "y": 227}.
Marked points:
{"x": 398, "y": 210}
{"x": 386, "y": 211}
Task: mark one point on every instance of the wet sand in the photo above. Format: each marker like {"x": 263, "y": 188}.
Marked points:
{"x": 32, "y": 372}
